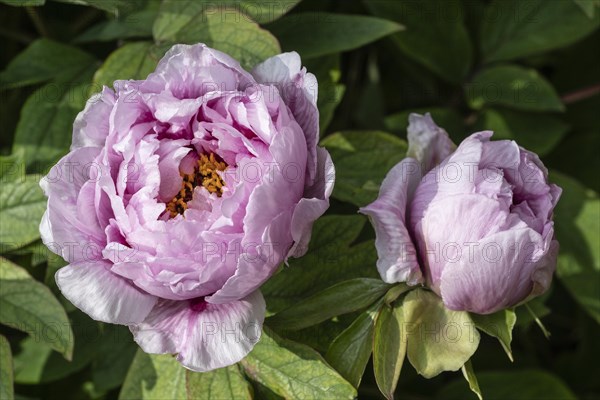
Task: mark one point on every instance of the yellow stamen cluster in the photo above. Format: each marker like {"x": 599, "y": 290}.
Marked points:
{"x": 205, "y": 174}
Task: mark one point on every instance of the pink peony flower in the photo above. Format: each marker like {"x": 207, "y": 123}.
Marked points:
{"x": 182, "y": 194}
{"x": 474, "y": 223}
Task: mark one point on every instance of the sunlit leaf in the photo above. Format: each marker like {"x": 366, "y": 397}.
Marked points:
{"x": 294, "y": 371}
{"x": 439, "y": 339}
{"x": 154, "y": 376}
{"x": 29, "y": 306}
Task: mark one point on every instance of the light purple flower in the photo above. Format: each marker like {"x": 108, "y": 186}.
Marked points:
{"x": 182, "y": 194}
{"x": 474, "y": 223}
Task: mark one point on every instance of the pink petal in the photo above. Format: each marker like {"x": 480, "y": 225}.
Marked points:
{"x": 397, "y": 257}
{"x": 299, "y": 90}
{"x": 427, "y": 143}
{"x": 313, "y": 205}
{"x": 497, "y": 274}
{"x": 91, "y": 126}
{"x": 255, "y": 267}
{"x": 104, "y": 296}
{"x": 205, "y": 336}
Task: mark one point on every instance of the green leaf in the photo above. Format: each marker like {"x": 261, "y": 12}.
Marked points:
{"x": 435, "y": 35}
{"x": 362, "y": 159}
{"x": 320, "y": 336}
{"x": 22, "y": 204}
{"x": 314, "y": 35}
{"x": 36, "y": 363}
{"x": 12, "y": 167}
{"x": 342, "y": 298}
{"x": 512, "y": 86}
{"x": 46, "y": 124}
{"x": 112, "y": 6}
{"x": 439, "y": 339}
{"x": 499, "y": 325}
{"x": 37, "y": 253}
{"x": 264, "y": 393}
{"x": 471, "y": 379}
{"x": 6, "y": 370}
{"x": 539, "y": 133}
{"x": 332, "y": 257}
{"x": 259, "y": 10}
{"x": 29, "y": 306}
{"x": 395, "y": 292}
{"x": 45, "y": 60}
{"x": 233, "y": 34}
{"x": 349, "y": 352}
{"x": 523, "y": 314}
{"x": 132, "y": 61}
{"x": 134, "y": 25}
{"x": 514, "y": 29}
{"x": 577, "y": 228}
{"x": 538, "y": 321}
{"x": 389, "y": 348}
{"x": 154, "y": 376}
{"x": 294, "y": 371}
{"x": 114, "y": 355}
{"x": 23, "y": 3}
{"x": 220, "y": 384}
{"x": 174, "y": 14}
{"x": 524, "y": 384}
{"x": 588, "y": 6}
{"x": 225, "y": 29}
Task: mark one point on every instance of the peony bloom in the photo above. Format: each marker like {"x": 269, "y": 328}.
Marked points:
{"x": 182, "y": 194}
{"x": 474, "y": 223}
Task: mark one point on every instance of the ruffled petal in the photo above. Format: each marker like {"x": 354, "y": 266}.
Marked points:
{"x": 313, "y": 205}
{"x": 397, "y": 257}
{"x": 544, "y": 271}
{"x": 455, "y": 175}
{"x": 91, "y": 126}
{"x": 104, "y": 296}
{"x": 427, "y": 143}
{"x": 191, "y": 71}
{"x": 63, "y": 230}
{"x": 257, "y": 264}
{"x": 299, "y": 89}
{"x": 281, "y": 183}
{"x": 205, "y": 336}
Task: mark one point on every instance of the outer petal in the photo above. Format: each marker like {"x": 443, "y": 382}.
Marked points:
{"x": 205, "y": 336}
{"x": 427, "y": 142}
{"x": 299, "y": 90}
{"x": 313, "y": 205}
{"x": 542, "y": 275}
{"x": 280, "y": 187}
{"x": 455, "y": 175}
{"x": 397, "y": 257}
{"x": 191, "y": 71}
{"x": 255, "y": 268}
{"x": 102, "y": 295}
{"x": 62, "y": 229}
{"x": 497, "y": 274}
{"x": 90, "y": 128}
{"x": 452, "y": 224}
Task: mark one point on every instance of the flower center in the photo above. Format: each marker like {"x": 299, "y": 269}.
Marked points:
{"x": 205, "y": 174}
